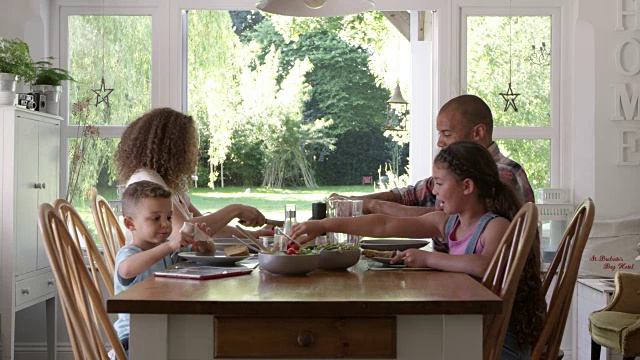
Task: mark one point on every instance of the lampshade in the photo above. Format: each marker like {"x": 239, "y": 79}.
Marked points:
{"x": 397, "y": 98}
{"x": 318, "y": 8}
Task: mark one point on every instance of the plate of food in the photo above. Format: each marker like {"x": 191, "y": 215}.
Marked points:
{"x": 383, "y": 257}
{"x": 393, "y": 244}
{"x": 227, "y": 256}
{"x": 221, "y": 243}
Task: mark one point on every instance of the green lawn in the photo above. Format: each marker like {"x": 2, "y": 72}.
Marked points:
{"x": 270, "y": 201}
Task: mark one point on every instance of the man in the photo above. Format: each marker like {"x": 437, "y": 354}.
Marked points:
{"x": 466, "y": 117}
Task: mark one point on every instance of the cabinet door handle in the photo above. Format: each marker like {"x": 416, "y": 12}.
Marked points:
{"x": 305, "y": 338}
{"x": 37, "y": 186}
{"x": 25, "y": 291}
{"x": 43, "y": 185}
{"x": 50, "y": 282}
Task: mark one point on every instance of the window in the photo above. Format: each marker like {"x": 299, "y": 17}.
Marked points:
{"x": 498, "y": 47}
{"x": 118, "y": 49}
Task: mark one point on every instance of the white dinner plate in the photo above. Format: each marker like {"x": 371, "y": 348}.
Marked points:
{"x": 393, "y": 244}
{"x": 211, "y": 259}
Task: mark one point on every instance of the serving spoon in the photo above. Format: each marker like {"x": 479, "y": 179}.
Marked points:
{"x": 254, "y": 240}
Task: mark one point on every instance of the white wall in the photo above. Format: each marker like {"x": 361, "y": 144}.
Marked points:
{"x": 613, "y": 179}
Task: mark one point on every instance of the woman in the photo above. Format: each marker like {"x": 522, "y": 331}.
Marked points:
{"x": 162, "y": 146}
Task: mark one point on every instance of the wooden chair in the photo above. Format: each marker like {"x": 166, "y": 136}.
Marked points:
{"x": 109, "y": 230}
{"x": 80, "y": 234}
{"x": 565, "y": 265}
{"x": 616, "y": 326}
{"x": 84, "y": 312}
{"x": 503, "y": 274}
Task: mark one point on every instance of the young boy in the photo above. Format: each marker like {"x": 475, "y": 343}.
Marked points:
{"x": 147, "y": 213}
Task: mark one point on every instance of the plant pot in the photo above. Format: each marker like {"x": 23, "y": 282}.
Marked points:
{"x": 8, "y": 88}
{"x": 53, "y": 97}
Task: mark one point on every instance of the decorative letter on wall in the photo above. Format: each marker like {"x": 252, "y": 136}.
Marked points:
{"x": 629, "y": 105}
{"x": 633, "y": 43}
{"x": 622, "y": 12}
{"x": 628, "y": 147}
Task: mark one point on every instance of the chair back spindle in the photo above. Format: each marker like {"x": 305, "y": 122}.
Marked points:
{"x": 503, "y": 275}
{"x": 564, "y": 268}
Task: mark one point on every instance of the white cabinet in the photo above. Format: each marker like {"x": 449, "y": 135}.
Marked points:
{"x": 29, "y": 158}
{"x": 592, "y": 295}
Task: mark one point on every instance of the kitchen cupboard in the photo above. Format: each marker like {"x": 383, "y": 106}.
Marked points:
{"x": 30, "y": 143}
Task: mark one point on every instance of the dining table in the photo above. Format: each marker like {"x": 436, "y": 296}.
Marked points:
{"x": 358, "y": 313}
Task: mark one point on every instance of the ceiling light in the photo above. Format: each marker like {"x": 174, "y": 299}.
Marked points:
{"x": 318, "y": 8}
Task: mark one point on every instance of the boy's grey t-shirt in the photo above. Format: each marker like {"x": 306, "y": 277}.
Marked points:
{"x": 122, "y": 324}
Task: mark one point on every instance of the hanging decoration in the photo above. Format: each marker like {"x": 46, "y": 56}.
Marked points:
{"x": 540, "y": 56}
{"x": 102, "y": 93}
{"x": 509, "y": 96}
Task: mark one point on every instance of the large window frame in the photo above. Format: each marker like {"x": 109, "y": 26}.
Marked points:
{"x": 552, "y": 132}
{"x": 70, "y": 131}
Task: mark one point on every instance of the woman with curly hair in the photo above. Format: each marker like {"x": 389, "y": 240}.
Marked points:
{"x": 162, "y": 146}
{"x": 478, "y": 209}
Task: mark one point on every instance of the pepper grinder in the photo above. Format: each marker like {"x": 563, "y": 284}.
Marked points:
{"x": 319, "y": 212}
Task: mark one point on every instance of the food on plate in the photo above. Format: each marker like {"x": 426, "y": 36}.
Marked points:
{"x": 379, "y": 254}
{"x": 236, "y": 250}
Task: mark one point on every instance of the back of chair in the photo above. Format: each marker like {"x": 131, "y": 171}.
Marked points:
{"x": 80, "y": 233}
{"x": 79, "y": 297}
{"x": 503, "y": 275}
{"x": 109, "y": 231}
{"x": 565, "y": 265}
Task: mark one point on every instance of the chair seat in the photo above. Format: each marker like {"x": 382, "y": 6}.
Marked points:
{"x": 616, "y": 330}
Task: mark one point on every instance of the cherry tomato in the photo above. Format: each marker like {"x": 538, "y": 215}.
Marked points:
{"x": 291, "y": 251}
{"x": 294, "y": 247}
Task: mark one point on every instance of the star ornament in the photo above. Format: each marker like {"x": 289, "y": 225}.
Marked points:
{"x": 102, "y": 94}
{"x": 510, "y": 99}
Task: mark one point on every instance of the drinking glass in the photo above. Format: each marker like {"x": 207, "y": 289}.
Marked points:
{"x": 356, "y": 210}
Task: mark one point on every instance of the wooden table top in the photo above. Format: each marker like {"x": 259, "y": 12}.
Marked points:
{"x": 357, "y": 292}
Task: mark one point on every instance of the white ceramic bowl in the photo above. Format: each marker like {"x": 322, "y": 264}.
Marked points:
{"x": 290, "y": 265}
{"x": 338, "y": 259}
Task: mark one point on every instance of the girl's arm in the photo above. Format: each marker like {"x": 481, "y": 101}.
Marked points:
{"x": 375, "y": 225}
{"x": 473, "y": 264}
{"x": 138, "y": 263}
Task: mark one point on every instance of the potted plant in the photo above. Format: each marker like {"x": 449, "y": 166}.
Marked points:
{"x": 15, "y": 62}
{"x": 48, "y": 81}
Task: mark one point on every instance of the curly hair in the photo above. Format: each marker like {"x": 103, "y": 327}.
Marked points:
{"x": 164, "y": 140}
{"x": 470, "y": 160}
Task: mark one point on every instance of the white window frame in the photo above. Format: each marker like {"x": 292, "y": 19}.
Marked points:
{"x": 70, "y": 131}
{"x": 554, "y": 131}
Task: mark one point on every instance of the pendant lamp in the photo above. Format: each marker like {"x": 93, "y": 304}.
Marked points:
{"x": 315, "y": 8}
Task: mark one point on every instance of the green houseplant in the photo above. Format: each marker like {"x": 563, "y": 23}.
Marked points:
{"x": 16, "y": 59}
{"x": 48, "y": 81}
{"x": 15, "y": 62}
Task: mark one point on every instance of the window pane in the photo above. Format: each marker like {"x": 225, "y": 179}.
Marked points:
{"x": 122, "y": 55}
{"x": 533, "y": 155}
{"x": 91, "y": 163}
{"x": 488, "y": 67}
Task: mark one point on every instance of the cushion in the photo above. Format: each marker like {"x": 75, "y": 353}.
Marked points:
{"x": 616, "y": 330}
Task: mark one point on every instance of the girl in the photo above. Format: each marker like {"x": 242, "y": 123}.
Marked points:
{"x": 162, "y": 146}
{"x": 478, "y": 209}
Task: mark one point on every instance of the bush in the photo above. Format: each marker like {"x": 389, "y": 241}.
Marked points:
{"x": 358, "y": 153}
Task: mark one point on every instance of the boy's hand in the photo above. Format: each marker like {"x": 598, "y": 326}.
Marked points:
{"x": 204, "y": 246}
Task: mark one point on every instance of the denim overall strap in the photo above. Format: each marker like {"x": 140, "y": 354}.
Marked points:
{"x": 482, "y": 223}
{"x": 448, "y": 227}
